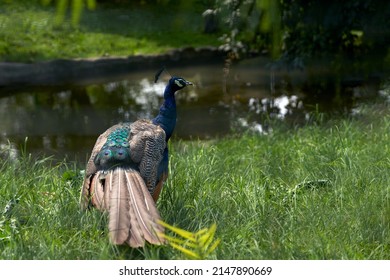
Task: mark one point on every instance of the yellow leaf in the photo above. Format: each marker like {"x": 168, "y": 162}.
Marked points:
{"x": 183, "y": 233}
{"x": 186, "y": 251}
{"x": 200, "y": 232}
{"x": 213, "y": 247}
{"x": 194, "y": 245}
{"x": 171, "y": 240}
{"x": 207, "y": 238}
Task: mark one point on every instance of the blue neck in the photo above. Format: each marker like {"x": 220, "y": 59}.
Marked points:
{"x": 166, "y": 118}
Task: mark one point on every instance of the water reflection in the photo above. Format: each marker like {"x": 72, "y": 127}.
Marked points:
{"x": 66, "y": 122}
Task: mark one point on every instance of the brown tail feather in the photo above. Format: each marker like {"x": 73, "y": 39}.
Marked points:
{"x": 132, "y": 212}
{"x": 97, "y": 193}
{"x": 144, "y": 207}
{"x": 118, "y": 212}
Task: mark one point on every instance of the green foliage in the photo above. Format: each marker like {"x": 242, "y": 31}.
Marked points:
{"x": 253, "y": 25}
{"x": 270, "y": 23}
{"x": 348, "y": 39}
{"x": 301, "y": 194}
{"x": 310, "y": 29}
{"x": 198, "y": 245}
{"x": 314, "y": 192}
{"x": 30, "y": 32}
{"x": 76, "y": 6}
{"x": 322, "y": 29}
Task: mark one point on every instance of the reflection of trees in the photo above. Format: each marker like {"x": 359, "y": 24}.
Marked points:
{"x": 77, "y": 108}
{"x": 350, "y": 39}
{"x": 64, "y": 120}
{"x": 68, "y": 120}
{"x": 131, "y": 101}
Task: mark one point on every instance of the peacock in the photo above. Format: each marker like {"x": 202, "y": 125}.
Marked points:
{"x": 126, "y": 170}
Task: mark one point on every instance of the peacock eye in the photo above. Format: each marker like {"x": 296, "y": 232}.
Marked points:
{"x": 178, "y": 83}
{"x": 121, "y": 154}
{"x": 111, "y": 143}
{"x": 125, "y": 144}
{"x": 107, "y": 153}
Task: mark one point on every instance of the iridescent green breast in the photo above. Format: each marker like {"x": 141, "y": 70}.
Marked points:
{"x": 116, "y": 150}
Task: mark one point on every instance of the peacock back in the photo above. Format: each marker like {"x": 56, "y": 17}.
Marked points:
{"x": 116, "y": 149}
{"x": 139, "y": 145}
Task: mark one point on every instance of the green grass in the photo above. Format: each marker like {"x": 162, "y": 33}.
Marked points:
{"x": 315, "y": 192}
{"x": 29, "y": 32}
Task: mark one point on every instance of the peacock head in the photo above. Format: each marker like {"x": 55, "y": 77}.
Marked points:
{"x": 176, "y": 84}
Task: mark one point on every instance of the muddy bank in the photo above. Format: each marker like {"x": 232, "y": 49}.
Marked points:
{"x": 63, "y": 72}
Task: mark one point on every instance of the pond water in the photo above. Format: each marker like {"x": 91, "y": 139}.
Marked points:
{"x": 66, "y": 122}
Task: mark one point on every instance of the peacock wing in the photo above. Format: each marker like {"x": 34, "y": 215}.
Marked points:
{"x": 147, "y": 144}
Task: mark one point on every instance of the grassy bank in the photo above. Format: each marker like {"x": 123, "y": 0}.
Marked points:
{"x": 29, "y": 31}
{"x": 317, "y": 192}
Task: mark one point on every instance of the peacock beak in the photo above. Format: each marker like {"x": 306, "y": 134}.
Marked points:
{"x": 189, "y": 83}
